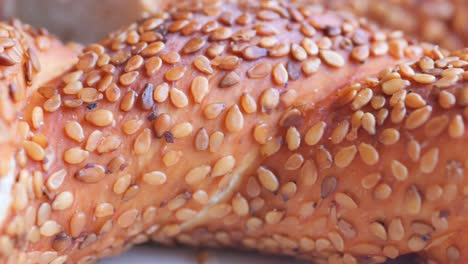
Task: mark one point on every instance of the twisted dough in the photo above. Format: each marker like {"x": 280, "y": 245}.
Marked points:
{"x": 285, "y": 129}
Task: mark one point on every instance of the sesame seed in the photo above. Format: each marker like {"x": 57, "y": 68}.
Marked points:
{"x": 90, "y": 174}
{"x": 396, "y": 230}
{"x": 456, "y": 127}
{"x": 446, "y": 99}
{"x": 429, "y": 160}
{"x": 382, "y": 191}
{"x": 345, "y": 201}
{"x": 199, "y": 88}
{"x": 414, "y": 150}
{"x": 55, "y": 180}
{"x": 418, "y": 117}
{"x": 399, "y": 170}
{"x": 362, "y": 98}
{"x": 346, "y": 228}
{"x": 230, "y": 79}
{"x": 127, "y": 218}
{"x": 100, "y": 117}
{"x": 340, "y": 131}
{"x": 50, "y": 228}
{"x": 152, "y": 65}
{"x": 197, "y": 174}
{"x": 294, "y": 162}
{"x": 128, "y": 78}
{"x": 280, "y": 75}
{"x": 311, "y": 66}
{"x": 142, "y": 142}
{"x": 328, "y": 186}
{"x": 436, "y": 126}
{"x": 202, "y": 139}
{"x": 309, "y": 173}
{"x": 345, "y": 156}
{"x": 155, "y": 178}
{"x": 389, "y": 136}
{"x": 122, "y": 183}
{"x": 193, "y": 45}
{"x": 368, "y": 153}
{"x": 34, "y": 150}
{"x": 332, "y": 58}
{"x": 52, "y": 104}
{"x": 213, "y": 110}
{"x": 315, "y": 133}
{"x": 64, "y": 200}
{"x": 234, "y": 119}
{"x": 43, "y": 213}
{"x": 37, "y": 117}
{"x": 267, "y": 179}
{"x": 394, "y": 85}
{"x": 424, "y": 78}
{"x": 416, "y": 243}
{"x": 104, "y": 210}
{"x": 175, "y": 73}
{"x": 248, "y": 104}
{"x": 109, "y": 144}
{"x": 161, "y": 93}
{"x": 240, "y": 205}
{"x": 378, "y": 230}
{"x": 131, "y": 126}
{"x": 75, "y": 155}
{"x": 181, "y": 130}
{"x": 223, "y": 166}
{"x": 178, "y": 98}
{"x": 203, "y": 64}
{"x": 259, "y": 71}
{"x": 368, "y": 123}
{"x": 412, "y": 200}
{"x": 293, "y": 138}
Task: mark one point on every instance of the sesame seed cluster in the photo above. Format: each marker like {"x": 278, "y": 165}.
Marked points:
{"x": 279, "y": 127}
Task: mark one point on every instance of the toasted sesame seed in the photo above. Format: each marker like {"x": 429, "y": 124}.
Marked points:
{"x": 456, "y": 127}
{"x": 332, "y": 58}
{"x": 429, "y": 160}
{"x": 64, "y": 200}
{"x": 90, "y": 174}
{"x": 161, "y": 92}
{"x": 345, "y": 156}
{"x": 199, "y": 88}
{"x": 37, "y": 117}
{"x": 94, "y": 139}
{"x": 446, "y": 99}
{"x": 248, "y": 103}
{"x": 142, "y": 142}
{"x": 75, "y": 155}
{"x": 382, "y": 191}
{"x": 50, "y": 228}
{"x": 293, "y": 138}
{"x": 362, "y": 98}
{"x": 132, "y": 126}
{"x": 55, "y": 180}
{"x": 153, "y": 49}
{"x": 416, "y": 243}
{"x": 74, "y": 131}
{"x": 213, "y": 110}
{"x": 234, "y": 119}
{"x": 197, "y": 174}
{"x": 412, "y": 200}
{"x": 368, "y": 123}
{"x": 109, "y": 144}
{"x": 175, "y": 73}
{"x": 152, "y": 65}
{"x": 280, "y": 75}
{"x": 345, "y": 201}
{"x": 453, "y": 254}
{"x": 178, "y": 98}
{"x": 203, "y": 64}
{"x": 34, "y": 150}
{"x": 122, "y": 183}
{"x": 100, "y": 117}
{"x": 267, "y": 179}
{"x": 414, "y": 100}
{"x": 230, "y": 79}
{"x": 424, "y": 78}
{"x": 155, "y": 178}
{"x": 104, "y": 210}
{"x": 399, "y": 170}
{"x": 378, "y": 230}
{"x": 336, "y": 240}
{"x": 414, "y": 150}
{"x": 340, "y": 131}
{"x": 368, "y": 153}
{"x": 260, "y": 71}
{"x": 294, "y": 162}
{"x": 181, "y": 130}
{"x": 311, "y": 66}
{"x": 269, "y": 99}
{"x": 309, "y": 173}
{"x": 328, "y": 186}
{"x": 43, "y": 213}
{"x": 418, "y": 117}
{"x": 394, "y": 85}
{"x": 128, "y": 78}
{"x": 315, "y": 133}
{"x": 127, "y": 218}
{"x": 389, "y": 136}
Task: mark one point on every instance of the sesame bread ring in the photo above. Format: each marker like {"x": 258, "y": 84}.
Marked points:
{"x": 264, "y": 125}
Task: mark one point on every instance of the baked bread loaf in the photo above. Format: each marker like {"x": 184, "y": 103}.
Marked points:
{"x": 263, "y": 125}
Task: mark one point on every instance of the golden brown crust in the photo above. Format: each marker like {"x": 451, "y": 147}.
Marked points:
{"x": 288, "y": 130}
